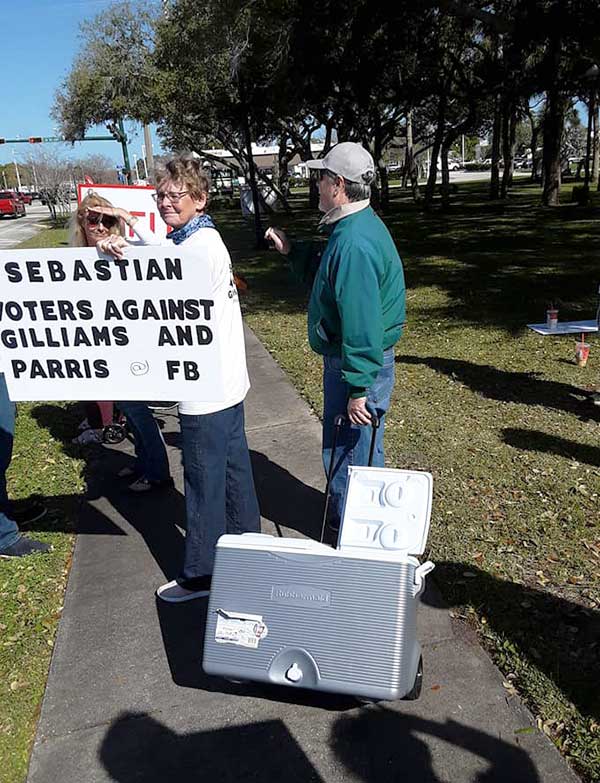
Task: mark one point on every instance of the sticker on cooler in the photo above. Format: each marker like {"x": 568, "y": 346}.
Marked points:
{"x": 244, "y": 630}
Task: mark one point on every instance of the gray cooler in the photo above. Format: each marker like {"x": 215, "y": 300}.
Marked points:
{"x": 299, "y": 613}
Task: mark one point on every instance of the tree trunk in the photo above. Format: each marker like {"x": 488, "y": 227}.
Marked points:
{"x": 554, "y": 121}
{"x": 535, "y": 134}
{"x": 382, "y": 174}
{"x": 496, "y": 134}
{"x": 283, "y": 172}
{"x": 258, "y": 229}
{"x": 435, "y": 152}
{"x": 596, "y": 157}
{"x": 509, "y": 131}
{"x": 445, "y": 187}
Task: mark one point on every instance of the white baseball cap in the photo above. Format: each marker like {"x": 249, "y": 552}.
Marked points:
{"x": 349, "y": 160}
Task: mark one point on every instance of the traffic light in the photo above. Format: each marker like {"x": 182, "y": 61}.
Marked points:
{"x": 35, "y": 139}
{"x": 2, "y": 141}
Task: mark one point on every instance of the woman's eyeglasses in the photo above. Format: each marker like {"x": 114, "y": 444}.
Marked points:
{"x": 173, "y": 196}
{"x": 95, "y": 219}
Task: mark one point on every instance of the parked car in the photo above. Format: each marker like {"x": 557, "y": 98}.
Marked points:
{"x": 11, "y": 204}
{"x": 25, "y": 197}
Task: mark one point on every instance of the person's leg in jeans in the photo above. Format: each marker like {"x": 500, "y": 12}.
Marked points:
{"x": 241, "y": 504}
{"x": 9, "y": 532}
{"x": 151, "y": 454}
{"x": 219, "y": 489}
{"x": 353, "y": 442}
{"x": 12, "y": 543}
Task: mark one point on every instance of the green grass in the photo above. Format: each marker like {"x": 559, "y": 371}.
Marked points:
{"x": 492, "y": 410}
{"x": 32, "y": 589}
{"x": 498, "y": 415}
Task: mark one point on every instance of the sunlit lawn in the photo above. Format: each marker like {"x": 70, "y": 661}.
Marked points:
{"x": 499, "y": 415}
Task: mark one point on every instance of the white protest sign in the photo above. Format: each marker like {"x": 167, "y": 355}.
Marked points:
{"x": 136, "y": 199}
{"x": 78, "y": 326}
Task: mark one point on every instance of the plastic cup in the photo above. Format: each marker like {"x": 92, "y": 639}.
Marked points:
{"x": 552, "y": 318}
{"x": 582, "y": 352}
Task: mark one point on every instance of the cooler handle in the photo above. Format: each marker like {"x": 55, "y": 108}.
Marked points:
{"x": 420, "y": 574}
{"x": 337, "y": 425}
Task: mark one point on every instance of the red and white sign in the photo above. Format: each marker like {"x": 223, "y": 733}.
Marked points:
{"x": 136, "y": 199}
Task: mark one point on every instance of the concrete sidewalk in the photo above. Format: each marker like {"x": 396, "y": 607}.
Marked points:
{"x": 127, "y": 699}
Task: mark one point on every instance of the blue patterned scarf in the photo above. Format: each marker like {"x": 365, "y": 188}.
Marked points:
{"x": 200, "y": 221}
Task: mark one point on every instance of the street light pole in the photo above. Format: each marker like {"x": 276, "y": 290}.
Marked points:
{"x": 17, "y": 171}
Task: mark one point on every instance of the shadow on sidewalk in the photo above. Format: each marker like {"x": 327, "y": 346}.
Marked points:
{"x": 380, "y": 745}
{"x": 139, "y": 748}
{"x": 156, "y": 515}
{"x": 376, "y": 745}
{"x": 284, "y": 499}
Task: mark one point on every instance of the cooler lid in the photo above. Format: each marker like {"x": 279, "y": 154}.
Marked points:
{"x": 387, "y": 510}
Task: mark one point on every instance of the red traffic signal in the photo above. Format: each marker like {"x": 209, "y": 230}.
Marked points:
{"x": 35, "y": 139}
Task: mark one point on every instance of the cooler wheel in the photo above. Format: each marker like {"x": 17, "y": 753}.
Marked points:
{"x": 415, "y": 691}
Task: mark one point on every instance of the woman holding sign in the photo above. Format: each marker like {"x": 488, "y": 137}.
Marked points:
{"x": 151, "y": 470}
{"x": 219, "y": 487}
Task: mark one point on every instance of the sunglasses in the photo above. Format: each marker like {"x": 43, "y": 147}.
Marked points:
{"x": 95, "y": 219}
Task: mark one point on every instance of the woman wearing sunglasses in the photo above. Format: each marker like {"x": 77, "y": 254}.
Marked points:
{"x": 151, "y": 469}
{"x": 219, "y": 487}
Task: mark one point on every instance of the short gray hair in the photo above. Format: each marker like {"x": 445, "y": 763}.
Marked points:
{"x": 357, "y": 191}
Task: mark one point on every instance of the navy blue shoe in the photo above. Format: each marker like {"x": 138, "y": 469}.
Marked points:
{"x": 23, "y": 547}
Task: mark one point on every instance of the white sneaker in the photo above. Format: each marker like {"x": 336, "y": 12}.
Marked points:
{"x": 88, "y": 437}
{"x": 174, "y": 593}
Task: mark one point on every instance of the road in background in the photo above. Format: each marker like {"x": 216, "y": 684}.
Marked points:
{"x": 12, "y": 231}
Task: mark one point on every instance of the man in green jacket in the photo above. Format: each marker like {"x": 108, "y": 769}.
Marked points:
{"x": 356, "y": 311}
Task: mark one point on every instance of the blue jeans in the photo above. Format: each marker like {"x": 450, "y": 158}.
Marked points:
{"x": 9, "y": 532}
{"x": 150, "y": 451}
{"x": 219, "y": 486}
{"x": 353, "y": 441}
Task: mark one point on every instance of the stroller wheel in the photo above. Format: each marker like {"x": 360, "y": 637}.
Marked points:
{"x": 113, "y": 433}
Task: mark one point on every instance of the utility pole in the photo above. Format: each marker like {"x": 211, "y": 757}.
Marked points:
{"x": 4, "y": 178}
{"x": 17, "y": 171}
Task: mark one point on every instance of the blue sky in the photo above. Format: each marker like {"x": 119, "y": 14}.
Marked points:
{"x": 40, "y": 39}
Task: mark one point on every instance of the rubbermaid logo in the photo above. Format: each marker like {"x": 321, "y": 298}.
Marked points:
{"x": 300, "y": 595}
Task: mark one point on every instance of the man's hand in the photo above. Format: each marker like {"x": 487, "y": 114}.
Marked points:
{"x": 279, "y": 240}
{"x": 113, "y": 245}
{"x": 357, "y": 411}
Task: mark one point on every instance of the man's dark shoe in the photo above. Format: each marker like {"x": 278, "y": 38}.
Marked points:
{"x": 27, "y": 512}
{"x": 23, "y": 547}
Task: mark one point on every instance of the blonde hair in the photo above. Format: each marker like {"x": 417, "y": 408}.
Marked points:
{"x": 77, "y": 237}
{"x": 190, "y": 172}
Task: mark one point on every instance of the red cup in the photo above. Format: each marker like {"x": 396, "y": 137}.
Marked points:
{"x": 552, "y": 318}
{"x": 582, "y": 352}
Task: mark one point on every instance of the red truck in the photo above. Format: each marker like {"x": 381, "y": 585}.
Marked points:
{"x": 11, "y": 204}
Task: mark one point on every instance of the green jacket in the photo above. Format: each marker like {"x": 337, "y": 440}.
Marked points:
{"x": 357, "y": 304}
